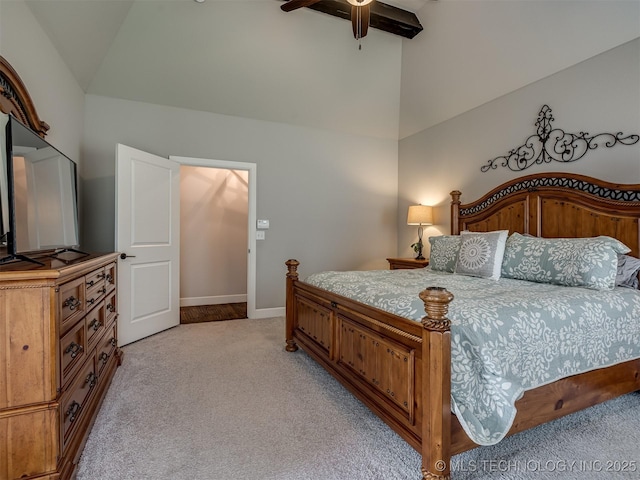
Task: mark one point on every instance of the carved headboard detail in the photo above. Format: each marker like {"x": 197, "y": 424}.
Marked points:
{"x": 555, "y": 205}
{"x": 15, "y": 99}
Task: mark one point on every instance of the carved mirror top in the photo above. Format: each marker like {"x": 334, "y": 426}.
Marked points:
{"x": 15, "y": 99}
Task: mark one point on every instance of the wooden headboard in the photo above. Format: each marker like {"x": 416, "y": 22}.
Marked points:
{"x": 554, "y": 205}
{"x": 15, "y": 99}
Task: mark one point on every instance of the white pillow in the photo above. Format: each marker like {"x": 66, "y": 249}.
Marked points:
{"x": 481, "y": 254}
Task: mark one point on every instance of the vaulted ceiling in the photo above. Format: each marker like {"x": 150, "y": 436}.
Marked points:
{"x": 248, "y": 58}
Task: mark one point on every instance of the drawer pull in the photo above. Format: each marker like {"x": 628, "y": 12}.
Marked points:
{"x": 109, "y": 278}
{"x": 91, "y": 379}
{"x": 73, "y": 411}
{"x": 104, "y": 357}
{"x": 91, "y": 301}
{"x": 111, "y": 307}
{"x": 95, "y": 324}
{"x": 74, "y": 349}
{"x": 103, "y": 290}
{"x": 90, "y": 283}
{"x": 71, "y": 302}
{"x": 113, "y": 342}
{"x": 102, "y": 276}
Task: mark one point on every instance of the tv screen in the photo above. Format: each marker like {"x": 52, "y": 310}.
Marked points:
{"x": 38, "y": 193}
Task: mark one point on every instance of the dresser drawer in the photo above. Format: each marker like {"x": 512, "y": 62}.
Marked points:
{"x": 95, "y": 278}
{"x": 71, "y": 302}
{"x": 95, "y": 295}
{"x": 105, "y": 348}
{"x": 110, "y": 307}
{"x": 110, "y": 276}
{"x": 72, "y": 351}
{"x": 76, "y": 399}
{"x": 95, "y": 323}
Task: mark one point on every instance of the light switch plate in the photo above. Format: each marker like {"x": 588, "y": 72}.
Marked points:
{"x": 264, "y": 224}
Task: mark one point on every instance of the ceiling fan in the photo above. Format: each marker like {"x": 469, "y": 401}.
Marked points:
{"x": 364, "y": 14}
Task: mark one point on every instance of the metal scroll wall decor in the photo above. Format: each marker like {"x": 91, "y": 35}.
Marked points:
{"x": 554, "y": 144}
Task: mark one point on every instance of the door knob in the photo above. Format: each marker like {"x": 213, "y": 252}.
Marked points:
{"x": 124, "y": 255}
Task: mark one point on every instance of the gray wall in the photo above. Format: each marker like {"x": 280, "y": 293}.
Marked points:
{"x": 335, "y": 201}
{"x": 57, "y": 96}
{"x": 472, "y": 52}
{"x": 599, "y": 95}
{"x": 331, "y": 197}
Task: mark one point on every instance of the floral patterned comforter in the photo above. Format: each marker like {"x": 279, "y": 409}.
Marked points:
{"x": 507, "y": 336}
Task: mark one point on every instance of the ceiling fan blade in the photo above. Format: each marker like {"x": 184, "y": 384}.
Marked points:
{"x": 384, "y": 17}
{"x": 360, "y": 25}
{"x": 295, "y": 4}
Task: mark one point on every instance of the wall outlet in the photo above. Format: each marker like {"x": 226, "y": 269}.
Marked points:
{"x": 259, "y": 235}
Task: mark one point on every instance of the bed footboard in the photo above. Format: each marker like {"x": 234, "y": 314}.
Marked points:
{"x": 399, "y": 368}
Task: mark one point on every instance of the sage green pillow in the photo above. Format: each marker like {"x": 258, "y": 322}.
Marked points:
{"x": 444, "y": 252}
{"x": 574, "y": 262}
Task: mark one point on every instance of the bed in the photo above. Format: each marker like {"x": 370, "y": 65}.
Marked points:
{"x": 402, "y": 369}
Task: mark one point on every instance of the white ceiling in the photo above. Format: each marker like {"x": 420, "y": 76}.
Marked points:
{"x": 97, "y": 22}
{"x": 248, "y": 58}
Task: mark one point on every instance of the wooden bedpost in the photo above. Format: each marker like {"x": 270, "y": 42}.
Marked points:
{"x": 455, "y": 212}
{"x": 436, "y": 385}
{"x": 292, "y": 276}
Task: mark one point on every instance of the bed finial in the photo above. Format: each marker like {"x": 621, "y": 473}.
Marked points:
{"x": 292, "y": 278}
{"x": 292, "y": 267}
{"x": 455, "y": 212}
{"x": 436, "y": 305}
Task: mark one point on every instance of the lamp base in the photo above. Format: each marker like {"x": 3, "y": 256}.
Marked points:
{"x": 418, "y": 245}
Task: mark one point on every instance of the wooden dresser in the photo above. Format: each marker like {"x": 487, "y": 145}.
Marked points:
{"x": 58, "y": 354}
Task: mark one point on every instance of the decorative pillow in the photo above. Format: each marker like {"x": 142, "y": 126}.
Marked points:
{"x": 574, "y": 262}
{"x": 481, "y": 254}
{"x": 444, "y": 252}
{"x": 628, "y": 268}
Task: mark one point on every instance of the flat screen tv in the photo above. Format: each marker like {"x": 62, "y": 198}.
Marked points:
{"x": 38, "y": 195}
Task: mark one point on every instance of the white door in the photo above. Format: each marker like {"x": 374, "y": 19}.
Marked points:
{"x": 148, "y": 239}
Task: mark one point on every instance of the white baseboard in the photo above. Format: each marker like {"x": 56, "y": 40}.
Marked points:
{"x": 269, "y": 312}
{"x": 213, "y": 300}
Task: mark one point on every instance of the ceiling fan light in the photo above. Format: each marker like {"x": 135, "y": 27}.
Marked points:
{"x": 359, "y": 3}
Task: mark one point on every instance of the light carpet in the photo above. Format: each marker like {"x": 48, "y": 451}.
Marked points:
{"x": 225, "y": 401}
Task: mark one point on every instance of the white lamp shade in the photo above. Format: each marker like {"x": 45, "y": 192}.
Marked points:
{"x": 420, "y": 215}
{"x": 359, "y": 3}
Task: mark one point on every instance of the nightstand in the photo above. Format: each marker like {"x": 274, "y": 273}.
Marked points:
{"x": 398, "y": 263}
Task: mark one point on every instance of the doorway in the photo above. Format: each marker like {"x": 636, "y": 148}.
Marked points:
{"x": 235, "y": 174}
{"x": 148, "y": 237}
{"x": 214, "y": 210}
